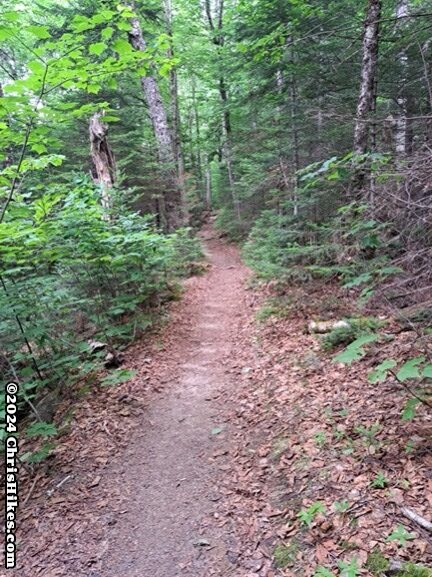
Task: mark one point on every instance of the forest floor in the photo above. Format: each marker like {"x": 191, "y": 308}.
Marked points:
{"x": 200, "y": 465}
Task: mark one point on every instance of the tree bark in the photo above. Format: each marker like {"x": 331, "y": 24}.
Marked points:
{"x": 103, "y": 160}
{"x": 7, "y": 161}
{"x": 216, "y": 27}
{"x": 368, "y": 75}
{"x": 367, "y": 93}
{"x": 173, "y": 201}
{"x": 174, "y": 100}
{"x": 401, "y": 122}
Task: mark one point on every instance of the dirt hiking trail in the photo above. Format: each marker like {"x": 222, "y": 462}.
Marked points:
{"x": 171, "y": 478}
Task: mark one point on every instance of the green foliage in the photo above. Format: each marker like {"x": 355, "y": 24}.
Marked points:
{"x": 380, "y": 481}
{"x": 274, "y": 306}
{"x": 69, "y": 275}
{"x": 284, "y": 555}
{"x": 320, "y": 439}
{"x": 41, "y": 454}
{"x": 401, "y": 535}
{"x": 376, "y": 563}
{"x": 120, "y": 376}
{"x": 349, "y": 568}
{"x": 370, "y": 433}
{"x": 413, "y": 371}
{"x": 322, "y": 571}
{"x": 355, "y": 350}
{"x": 346, "y": 335}
{"x": 341, "y": 506}
{"x": 41, "y": 429}
{"x": 415, "y": 570}
{"x": 308, "y": 514}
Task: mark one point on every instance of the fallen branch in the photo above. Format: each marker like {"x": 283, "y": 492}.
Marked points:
{"x": 29, "y": 494}
{"x": 416, "y": 518}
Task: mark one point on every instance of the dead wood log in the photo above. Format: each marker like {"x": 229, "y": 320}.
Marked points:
{"x": 322, "y": 327}
{"x": 416, "y": 518}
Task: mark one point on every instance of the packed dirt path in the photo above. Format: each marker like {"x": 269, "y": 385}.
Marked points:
{"x": 171, "y": 470}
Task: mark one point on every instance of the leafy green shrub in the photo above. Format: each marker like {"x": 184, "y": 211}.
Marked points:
{"x": 69, "y": 275}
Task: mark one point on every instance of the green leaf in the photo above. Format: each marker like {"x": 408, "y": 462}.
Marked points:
{"x": 6, "y": 32}
{"x": 427, "y": 371}
{"x": 122, "y": 47}
{"x": 410, "y": 369}
{"x": 107, "y": 33}
{"x": 307, "y": 515}
{"x": 42, "y": 430}
{"x": 379, "y": 374}
{"x": 37, "y": 67}
{"x": 355, "y": 350}
{"x": 93, "y": 88}
{"x": 322, "y": 571}
{"x": 40, "y": 455}
{"x": 120, "y": 376}
{"x": 39, "y": 31}
{"x": 39, "y": 148}
{"x": 349, "y": 569}
{"x": 11, "y": 16}
{"x": 97, "y": 48}
{"x": 103, "y": 16}
{"x": 401, "y": 535}
{"x": 82, "y": 23}
{"x": 409, "y": 411}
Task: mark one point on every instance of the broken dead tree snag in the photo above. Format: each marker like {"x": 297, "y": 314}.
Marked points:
{"x": 104, "y": 167}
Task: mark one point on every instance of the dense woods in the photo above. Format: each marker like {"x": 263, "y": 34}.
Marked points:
{"x": 304, "y": 127}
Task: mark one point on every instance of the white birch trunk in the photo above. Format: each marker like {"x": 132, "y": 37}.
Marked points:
{"x": 368, "y": 75}
{"x": 401, "y": 123}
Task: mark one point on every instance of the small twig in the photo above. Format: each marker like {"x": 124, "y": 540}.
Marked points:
{"x": 416, "y": 518}
{"x": 29, "y": 494}
{"x": 51, "y": 491}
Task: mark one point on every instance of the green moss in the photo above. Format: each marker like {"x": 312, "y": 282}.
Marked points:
{"x": 347, "y": 335}
{"x": 284, "y": 555}
{"x": 413, "y": 570}
{"x": 376, "y": 563}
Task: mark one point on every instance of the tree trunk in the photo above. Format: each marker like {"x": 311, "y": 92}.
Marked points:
{"x": 7, "y": 160}
{"x": 104, "y": 168}
{"x": 196, "y": 120}
{"x": 174, "y": 217}
{"x": 175, "y": 109}
{"x": 367, "y": 88}
{"x": 295, "y": 143}
{"x": 401, "y": 123}
{"x": 208, "y": 184}
{"x": 368, "y": 74}
{"x": 219, "y": 41}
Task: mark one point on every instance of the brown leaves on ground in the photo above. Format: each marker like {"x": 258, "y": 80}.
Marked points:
{"x": 309, "y": 431}
{"x": 63, "y": 526}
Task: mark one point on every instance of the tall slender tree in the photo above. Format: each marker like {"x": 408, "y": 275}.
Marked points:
{"x": 367, "y": 93}
{"x": 172, "y": 208}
